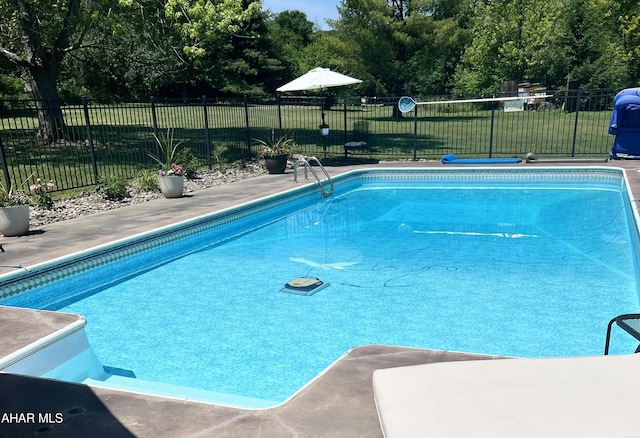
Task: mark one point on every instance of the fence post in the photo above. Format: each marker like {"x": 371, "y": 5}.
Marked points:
{"x": 92, "y": 151}
{"x": 344, "y": 107}
{"x": 279, "y": 116}
{"x": 5, "y": 168}
{"x": 246, "y": 120}
{"x": 415, "y": 133}
{"x": 207, "y": 135}
{"x": 154, "y": 120}
{"x": 493, "y": 116}
{"x": 575, "y": 125}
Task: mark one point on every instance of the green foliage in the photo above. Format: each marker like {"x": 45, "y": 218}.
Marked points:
{"x": 542, "y": 41}
{"x": 272, "y": 145}
{"x": 203, "y": 25}
{"x": 114, "y": 188}
{"x": 168, "y": 150}
{"x": 592, "y": 34}
{"x": 290, "y": 33}
{"x": 376, "y": 41}
{"x": 408, "y": 47}
{"x": 42, "y": 192}
{"x": 219, "y": 152}
{"x": 147, "y": 181}
{"x": 435, "y": 48}
{"x": 131, "y": 49}
{"x": 630, "y": 29}
{"x": 189, "y": 162}
{"x": 11, "y": 85}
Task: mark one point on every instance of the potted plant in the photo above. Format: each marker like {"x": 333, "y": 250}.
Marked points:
{"x": 170, "y": 175}
{"x": 14, "y": 212}
{"x": 276, "y": 152}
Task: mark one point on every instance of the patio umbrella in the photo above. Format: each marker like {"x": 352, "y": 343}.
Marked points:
{"x": 319, "y": 79}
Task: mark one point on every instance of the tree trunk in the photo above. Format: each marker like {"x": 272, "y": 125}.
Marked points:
{"x": 52, "y": 126}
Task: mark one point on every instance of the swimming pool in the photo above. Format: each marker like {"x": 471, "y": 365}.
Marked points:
{"x": 400, "y": 251}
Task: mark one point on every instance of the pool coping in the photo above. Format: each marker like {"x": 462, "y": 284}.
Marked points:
{"x": 338, "y": 403}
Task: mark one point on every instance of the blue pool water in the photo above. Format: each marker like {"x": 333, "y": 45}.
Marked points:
{"x": 529, "y": 266}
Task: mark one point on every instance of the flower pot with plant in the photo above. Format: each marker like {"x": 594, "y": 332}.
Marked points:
{"x": 276, "y": 152}
{"x": 170, "y": 175}
{"x": 14, "y": 212}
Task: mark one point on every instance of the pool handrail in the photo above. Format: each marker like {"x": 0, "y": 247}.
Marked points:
{"x": 306, "y": 161}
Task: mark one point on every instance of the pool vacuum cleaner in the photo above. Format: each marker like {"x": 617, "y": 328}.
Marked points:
{"x": 304, "y": 286}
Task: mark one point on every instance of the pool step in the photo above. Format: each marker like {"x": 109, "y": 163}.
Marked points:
{"x": 179, "y": 392}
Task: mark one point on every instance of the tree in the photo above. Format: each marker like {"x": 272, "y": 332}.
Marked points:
{"x": 291, "y": 33}
{"x": 251, "y": 65}
{"x": 434, "y": 49}
{"x": 130, "y": 56}
{"x": 629, "y": 19}
{"x": 437, "y": 35}
{"x": 630, "y": 29}
{"x": 213, "y": 37}
{"x": 37, "y": 35}
{"x": 592, "y": 29}
{"x": 513, "y": 40}
{"x": 548, "y": 42}
{"x": 401, "y": 44}
{"x": 367, "y": 27}
{"x": 175, "y": 51}
{"x": 10, "y": 84}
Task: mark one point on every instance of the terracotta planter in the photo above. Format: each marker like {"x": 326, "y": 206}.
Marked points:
{"x": 171, "y": 186}
{"x": 276, "y": 164}
{"x": 14, "y": 220}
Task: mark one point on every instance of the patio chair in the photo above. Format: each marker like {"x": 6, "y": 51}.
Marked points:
{"x": 630, "y": 323}
{"x": 360, "y": 139}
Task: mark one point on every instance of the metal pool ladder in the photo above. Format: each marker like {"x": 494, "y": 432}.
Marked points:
{"x": 305, "y": 161}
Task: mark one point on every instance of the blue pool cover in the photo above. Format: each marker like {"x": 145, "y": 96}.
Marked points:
{"x": 453, "y": 159}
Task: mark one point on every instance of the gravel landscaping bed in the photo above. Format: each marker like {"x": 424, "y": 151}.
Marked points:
{"x": 94, "y": 202}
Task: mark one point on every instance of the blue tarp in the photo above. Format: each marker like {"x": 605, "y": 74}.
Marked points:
{"x": 625, "y": 124}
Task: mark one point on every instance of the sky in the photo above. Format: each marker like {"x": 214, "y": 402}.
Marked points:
{"x": 316, "y": 10}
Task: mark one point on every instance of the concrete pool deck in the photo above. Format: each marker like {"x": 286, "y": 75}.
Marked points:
{"x": 338, "y": 404}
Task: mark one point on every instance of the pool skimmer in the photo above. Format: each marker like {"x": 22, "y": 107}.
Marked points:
{"x": 304, "y": 286}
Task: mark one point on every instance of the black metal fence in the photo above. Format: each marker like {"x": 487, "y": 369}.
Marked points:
{"x": 93, "y": 140}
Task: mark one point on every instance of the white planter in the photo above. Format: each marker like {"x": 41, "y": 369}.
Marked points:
{"x": 14, "y": 220}
{"x": 171, "y": 186}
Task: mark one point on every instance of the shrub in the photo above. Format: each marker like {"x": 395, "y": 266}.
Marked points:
{"x": 148, "y": 181}
{"x": 189, "y": 162}
{"x": 42, "y": 192}
{"x": 114, "y": 188}
{"x": 218, "y": 154}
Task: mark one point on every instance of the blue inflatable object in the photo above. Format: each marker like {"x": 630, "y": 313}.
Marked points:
{"x": 453, "y": 159}
{"x": 625, "y": 124}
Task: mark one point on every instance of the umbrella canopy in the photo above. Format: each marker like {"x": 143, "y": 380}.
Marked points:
{"x": 318, "y": 78}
